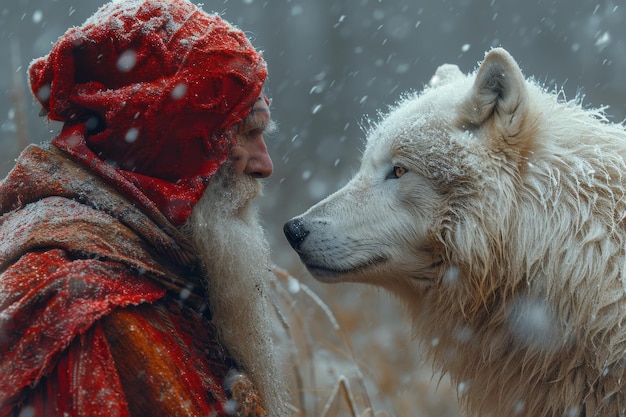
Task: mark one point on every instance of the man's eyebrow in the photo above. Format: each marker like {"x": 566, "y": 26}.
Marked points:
{"x": 256, "y": 117}
{"x": 258, "y": 110}
{"x": 257, "y": 121}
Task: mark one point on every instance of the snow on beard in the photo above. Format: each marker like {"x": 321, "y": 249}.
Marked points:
{"x": 230, "y": 242}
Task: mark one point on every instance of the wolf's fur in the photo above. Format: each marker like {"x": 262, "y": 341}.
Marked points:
{"x": 505, "y": 238}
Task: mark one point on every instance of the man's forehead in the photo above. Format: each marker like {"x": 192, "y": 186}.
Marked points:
{"x": 260, "y": 113}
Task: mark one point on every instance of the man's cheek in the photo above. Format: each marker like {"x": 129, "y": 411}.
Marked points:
{"x": 239, "y": 159}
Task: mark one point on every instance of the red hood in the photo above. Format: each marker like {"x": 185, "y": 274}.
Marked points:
{"x": 152, "y": 88}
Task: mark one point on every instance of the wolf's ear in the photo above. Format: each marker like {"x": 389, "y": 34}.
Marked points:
{"x": 498, "y": 97}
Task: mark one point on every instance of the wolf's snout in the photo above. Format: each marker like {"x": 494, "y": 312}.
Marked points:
{"x": 295, "y": 232}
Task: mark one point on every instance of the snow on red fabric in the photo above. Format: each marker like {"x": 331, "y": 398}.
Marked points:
{"x": 152, "y": 88}
{"x": 102, "y": 308}
{"x": 47, "y": 312}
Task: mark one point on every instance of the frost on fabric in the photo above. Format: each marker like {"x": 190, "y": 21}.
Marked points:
{"x": 114, "y": 14}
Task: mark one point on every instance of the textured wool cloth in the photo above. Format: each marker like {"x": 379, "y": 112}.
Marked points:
{"x": 102, "y": 312}
{"x": 152, "y": 88}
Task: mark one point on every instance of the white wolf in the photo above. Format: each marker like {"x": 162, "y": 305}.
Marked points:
{"x": 497, "y": 213}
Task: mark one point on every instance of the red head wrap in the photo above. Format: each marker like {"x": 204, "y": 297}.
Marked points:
{"x": 150, "y": 89}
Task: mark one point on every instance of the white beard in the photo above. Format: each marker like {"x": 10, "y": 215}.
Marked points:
{"x": 230, "y": 242}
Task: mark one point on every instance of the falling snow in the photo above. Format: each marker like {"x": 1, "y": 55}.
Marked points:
{"x": 127, "y": 60}
{"x": 37, "y": 16}
{"x": 332, "y": 67}
{"x": 179, "y": 91}
{"x": 131, "y": 135}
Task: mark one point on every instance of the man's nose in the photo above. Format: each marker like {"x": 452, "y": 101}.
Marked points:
{"x": 252, "y": 158}
{"x": 260, "y": 163}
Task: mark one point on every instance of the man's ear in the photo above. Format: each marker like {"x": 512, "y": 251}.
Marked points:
{"x": 498, "y": 99}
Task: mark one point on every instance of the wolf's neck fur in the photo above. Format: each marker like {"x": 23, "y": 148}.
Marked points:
{"x": 549, "y": 286}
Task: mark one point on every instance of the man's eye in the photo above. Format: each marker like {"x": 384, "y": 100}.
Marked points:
{"x": 254, "y": 132}
{"x": 247, "y": 130}
{"x": 397, "y": 172}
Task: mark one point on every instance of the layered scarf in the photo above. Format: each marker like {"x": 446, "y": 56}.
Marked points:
{"x": 94, "y": 287}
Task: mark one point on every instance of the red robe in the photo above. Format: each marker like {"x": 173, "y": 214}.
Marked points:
{"x": 102, "y": 311}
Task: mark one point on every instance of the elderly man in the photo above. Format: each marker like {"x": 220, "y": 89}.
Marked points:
{"x": 132, "y": 263}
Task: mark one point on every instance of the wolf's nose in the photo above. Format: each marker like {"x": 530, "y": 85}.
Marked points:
{"x": 295, "y": 232}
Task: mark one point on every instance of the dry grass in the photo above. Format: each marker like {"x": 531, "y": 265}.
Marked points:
{"x": 352, "y": 354}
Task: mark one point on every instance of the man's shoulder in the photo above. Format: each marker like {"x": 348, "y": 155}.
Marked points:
{"x": 48, "y": 298}
{"x": 46, "y": 179}
{"x": 54, "y": 300}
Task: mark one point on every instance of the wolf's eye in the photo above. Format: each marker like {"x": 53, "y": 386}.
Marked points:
{"x": 396, "y": 172}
